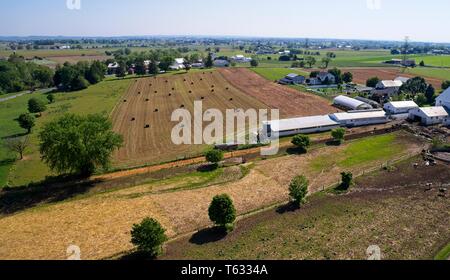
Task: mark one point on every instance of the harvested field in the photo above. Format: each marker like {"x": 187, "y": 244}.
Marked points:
{"x": 144, "y": 115}
{"x": 291, "y": 102}
{"x": 393, "y": 209}
{"x": 100, "y": 223}
{"x": 361, "y": 75}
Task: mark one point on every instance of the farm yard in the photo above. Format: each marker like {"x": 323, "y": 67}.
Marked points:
{"x": 99, "y": 221}
{"x": 151, "y": 102}
{"x": 291, "y": 102}
{"x": 388, "y": 208}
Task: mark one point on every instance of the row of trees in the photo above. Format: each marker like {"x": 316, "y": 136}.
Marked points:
{"x": 17, "y": 75}
{"x": 72, "y": 77}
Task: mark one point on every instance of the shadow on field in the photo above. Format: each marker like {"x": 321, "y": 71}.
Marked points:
{"x": 53, "y": 189}
{"x": 208, "y": 235}
{"x": 136, "y": 256}
{"x": 290, "y": 207}
{"x": 14, "y": 136}
{"x": 295, "y": 151}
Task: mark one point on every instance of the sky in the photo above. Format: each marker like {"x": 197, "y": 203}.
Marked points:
{"x": 421, "y": 20}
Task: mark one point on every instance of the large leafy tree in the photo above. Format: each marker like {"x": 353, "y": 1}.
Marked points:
{"x": 311, "y": 61}
{"x": 36, "y": 105}
{"x": 222, "y": 211}
{"x": 414, "y": 86}
{"x": 372, "y": 82}
{"x": 27, "y": 121}
{"x": 302, "y": 142}
{"x": 78, "y": 144}
{"x": 148, "y": 237}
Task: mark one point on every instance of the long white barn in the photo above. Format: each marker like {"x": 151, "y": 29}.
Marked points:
{"x": 305, "y": 125}
{"x": 360, "y": 118}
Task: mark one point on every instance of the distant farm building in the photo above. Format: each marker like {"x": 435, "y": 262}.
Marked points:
{"x": 178, "y": 64}
{"x": 372, "y": 103}
{"x": 112, "y": 68}
{"x": 349, "y": 103}
{"x": 404, "y": 80}
{"x": 400, "y": 107}
{"x": 401, "y": 62}
{"x": 444, "y": 99}
{"x": 221, "y": 63}
{"x": 305, "y": 125}
{"x": 325, "y": 77}
{"x": 387, "y": 88}
{"x": 292, "y": 79}
{"x": 429, "y": 115}
{"x": 241, "y": 59}
{"x": 360, "y": 118}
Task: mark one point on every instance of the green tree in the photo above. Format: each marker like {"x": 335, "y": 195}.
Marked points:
{"x": 140, "y": 67}
{"x": 421, "y": 99}
{"x": 445, "y": 85}
{"x": 347, "y": 180}
{"x": 187, "y": 65}
{"x": 209, "y": 61}
{"x": 214, "y": 156}
{"x": 96, "y": 72}
{"x": 44, "y": 76}
{"x": 422, "y": 63}
{"x": 347, "y": 77}
{"x": 311, "y": 61}
{"x": 78, "y": 144}
{"x": 298, "y": 189}
{"x": 51, "y": 98}
{"x": 302, "y": 142}
{"x": 153, "y": 69}
{"x": 254, "y": 63}
{"x": 414, "y": 86}
{"x": 429, "y": 94}
{"x": 326, "y": 61}
{"x": 27, "y": 121}
{"x": 36, "y": 106}
{"x": 338, "y": 135}
{"x": 148, "y": 237}
{"x": 222, "y": 212}
{"x": 372, "y": 82}
{"x": 337, "y": 75}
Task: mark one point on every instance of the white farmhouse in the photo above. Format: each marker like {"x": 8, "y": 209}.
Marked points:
{"x": 178, "y": 64}
{"x": 429, "y": 115}
{"x": 241, "y": 59}
{"x": 400, "y": 107}
{"x": 444, "y": 99}
{"x": 360, "y": 118}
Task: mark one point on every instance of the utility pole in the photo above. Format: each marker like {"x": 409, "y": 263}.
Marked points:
{"x": 405, "y": 53}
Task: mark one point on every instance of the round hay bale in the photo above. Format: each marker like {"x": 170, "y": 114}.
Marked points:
{"x": 156, "y": 91}
{"x": 156, "y": 110}
{"x": 147, "y": 126}
{"x": 182, "y": 106}
{"x": 147, "y": 100}
{"x": 133, "y": 119}
{"x": 170, "y": 94}
{"x": 125, "y": 101}
{"x": 190, "y": 91}
{"x": 231, "y": 99}
{"x": 202, "y": 98}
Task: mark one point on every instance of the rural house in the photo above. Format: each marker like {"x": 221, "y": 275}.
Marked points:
{"x": 444, "y": 99}
{"x": 386, "y": 88}
{"x": 178, "y": 64}
{"x": 241, "y": 59}
{"x": 325, "y": 76}
{"x": 349, "y": 103}
{"x": 400, "y": 107}
{"x": 292, "y": 79}
{"x": 112, "y": 68}
{"x": 404, "y": 80}
{"x": 429, "y": 115}
{"x": 221, "y": 63}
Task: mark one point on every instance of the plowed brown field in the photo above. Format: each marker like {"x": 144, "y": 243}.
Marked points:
{"x": 360, "y": 75}
{"x": 291, "y": 102}
{"x": 151, "y": 101}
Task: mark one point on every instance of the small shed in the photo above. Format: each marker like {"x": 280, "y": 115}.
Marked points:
{"x": 429, "y": 115}
{"x": 400, "y": 107}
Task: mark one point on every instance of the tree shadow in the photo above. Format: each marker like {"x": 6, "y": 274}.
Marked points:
{"x": 208, "y": 167}
{"x": 209, "y": 235}
{"x": 14, "y": 136}
{"x": 137, "y": 256}
{"x": 296, "y": 151}
{"x": 5, "y": 162}
{"x": 51, "y": 190}
{"x": 333, "y": 143}
{"x": 287, "y": 208}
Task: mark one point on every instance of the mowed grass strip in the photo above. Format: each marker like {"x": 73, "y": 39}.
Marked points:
{"x": 273, "y": 74}
{"x": 100, "y": 98}
{"x": 360, "y": 151}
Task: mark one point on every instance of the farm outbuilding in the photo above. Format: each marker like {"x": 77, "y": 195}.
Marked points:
{"x": 292, "y": 79}
{"x": 444, "y": 99}
{"x": 429, "y": 115}
{"x": 350, "y": 103}
{"x": 400, "y": 107}
{"x": 360, "y": 118}
{"x": 305, "y": 125}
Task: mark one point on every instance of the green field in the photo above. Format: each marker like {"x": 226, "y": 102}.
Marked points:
{"x": 273, "y": 74}
{"x": 100, "y": 98}
{"x": 360, "y": 152}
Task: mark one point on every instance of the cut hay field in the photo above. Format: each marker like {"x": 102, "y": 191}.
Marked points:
{"x": 290, "y": 102}
{"x": 100, "y": 223}
{"x": 151, "y": 101}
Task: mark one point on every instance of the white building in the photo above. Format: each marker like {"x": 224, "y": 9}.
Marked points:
{"x": 360, "y": 118}
{"x": 351, "y": 103}
{"x": 389, "y": 84}
{"x": 444, "y": 99}
{"x": 429, "y": 115}
{"x": 305, "y": 125}
{"x": 400, "y": 107}
{"x": 221, "y": 63}
{"x": 241, "y": 59}
{"x": 404, "y": 80}
{"x": 178, "y": 64}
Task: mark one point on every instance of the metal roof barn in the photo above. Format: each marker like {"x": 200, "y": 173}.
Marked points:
{"x": 351, "y": 103}
{"x": 286, "y": 127}
{"x": 360, "y": 118}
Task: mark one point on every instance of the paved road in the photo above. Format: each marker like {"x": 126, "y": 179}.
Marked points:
{"x": 25, "y": 92}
